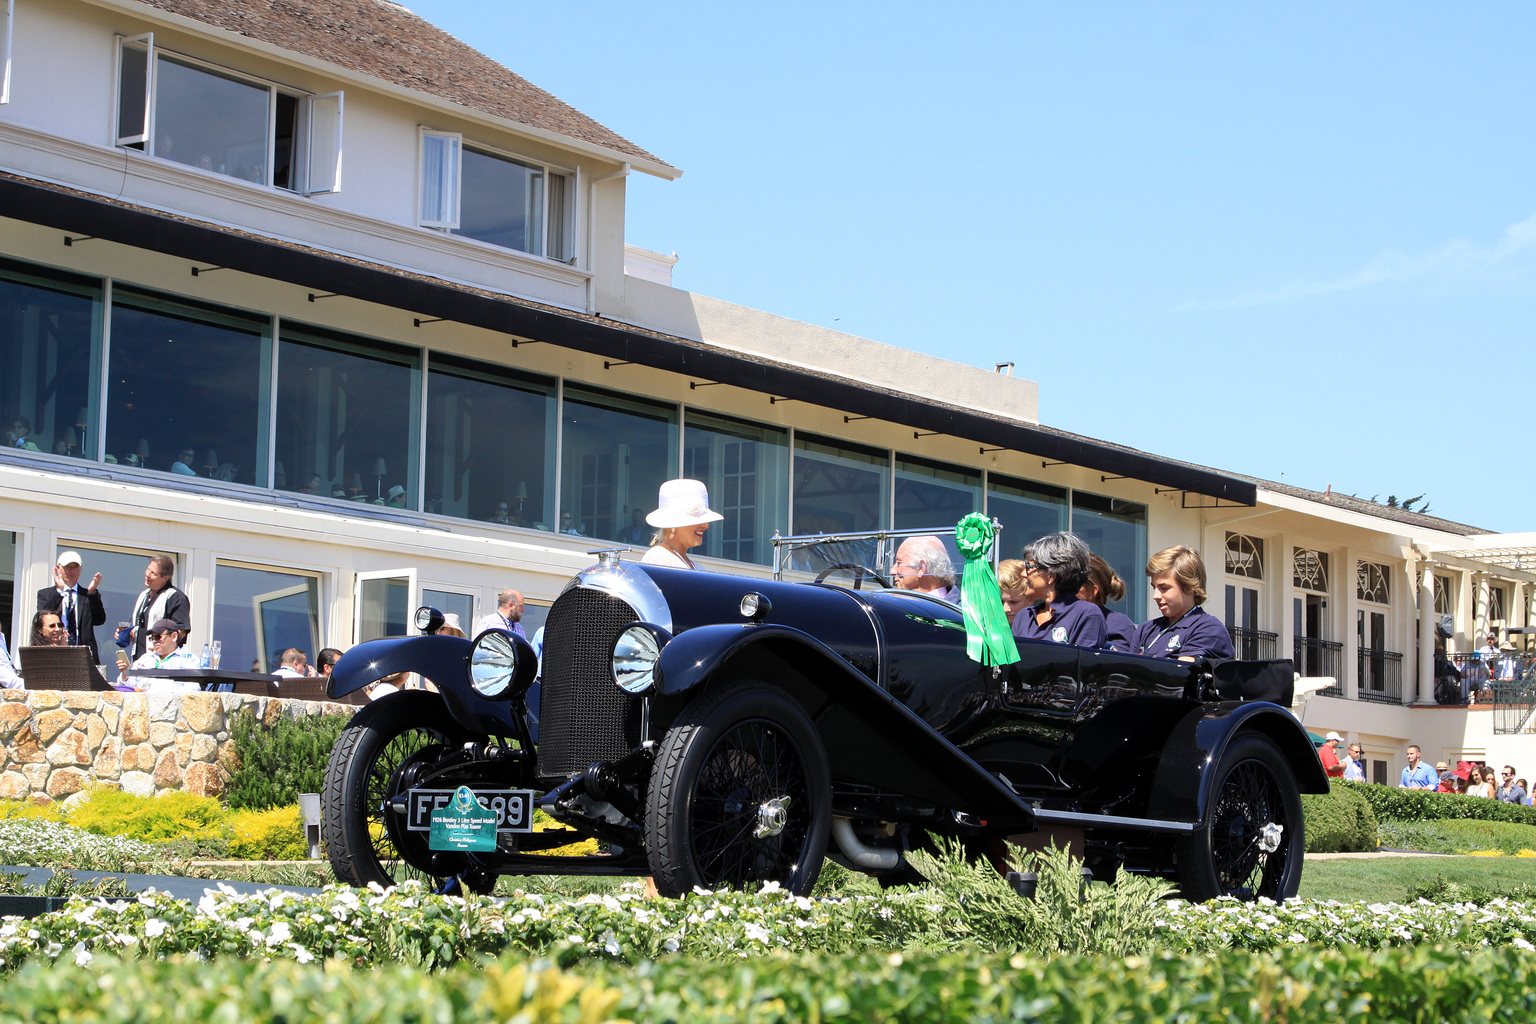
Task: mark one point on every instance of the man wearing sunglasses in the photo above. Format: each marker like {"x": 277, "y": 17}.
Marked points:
{"x": 165, "y": 639}
{"x": 1510, "y": 791}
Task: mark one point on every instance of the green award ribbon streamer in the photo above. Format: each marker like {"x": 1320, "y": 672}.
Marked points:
{"x": 988, "y": 636}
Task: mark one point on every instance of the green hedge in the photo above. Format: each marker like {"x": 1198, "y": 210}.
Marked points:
{"x": 1339, "y": 986}
{"x": 1339, "y": 821}
{"x": 1458, "y": 836}
{"x": 1393, "y": 804}
{"x": 281, "y": 760}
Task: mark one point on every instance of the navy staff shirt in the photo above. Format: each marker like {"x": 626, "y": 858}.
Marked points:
{"x": 1072, "y": 621}
{"x": 1197, "y": 634}
{"x": 1119, "y": 632}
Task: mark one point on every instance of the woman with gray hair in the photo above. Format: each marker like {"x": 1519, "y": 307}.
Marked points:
{"x": 1055, "y": 569}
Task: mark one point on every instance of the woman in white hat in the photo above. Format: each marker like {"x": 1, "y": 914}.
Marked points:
{"x": 681, "y": 517}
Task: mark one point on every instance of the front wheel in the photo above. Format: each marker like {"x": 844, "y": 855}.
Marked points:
{"x": 366, "y": 841}
{"x": 740, "y": 792}
{"x": 1253, "y": 841}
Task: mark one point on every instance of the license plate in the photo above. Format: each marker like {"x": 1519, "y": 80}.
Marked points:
{"x": 513, "y": 807}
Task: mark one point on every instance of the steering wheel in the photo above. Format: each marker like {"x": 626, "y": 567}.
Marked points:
{"x": 863, "y": 572}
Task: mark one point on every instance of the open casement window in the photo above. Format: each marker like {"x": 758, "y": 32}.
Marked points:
{"x": 9, "y": 16}
{"x": 135, "y": 82}
{"x": 383, "y": 604}
{"x": 321, "y": 117}
{"x": 440, "y": 161}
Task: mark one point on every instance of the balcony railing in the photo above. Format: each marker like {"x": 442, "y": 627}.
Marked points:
{"x": 1254, "y": 644}
{"x": 1380, "y": 676}
{"x": 1507, "y": 682}
{"x": 1316, "y": 658}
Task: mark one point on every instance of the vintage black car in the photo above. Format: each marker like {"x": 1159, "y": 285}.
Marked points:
{"x": 711, "y": 729}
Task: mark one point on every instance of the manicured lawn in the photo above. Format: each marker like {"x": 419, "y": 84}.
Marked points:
{"x": 1387, "y": 879}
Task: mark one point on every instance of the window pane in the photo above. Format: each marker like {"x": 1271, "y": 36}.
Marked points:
{"x": 186, "y": 383}
{"x": 211, "y": 121}
{"x": 503, "y": 202}
{"x": 122, "y": 577}
{"x": 616, "y": 453}
{"x": 131, "y": 92}
{"x": 932, "y": 495}
{"x": 48, "y": 349}
{"x": 260, "y": 613}
{"x": 490, "y": 444}
{"x": 8, "y": 592}
{"x": 450, "y": 603}
{"x": 1027, "y": 512}
{"x": 385, "y": 609}
{"x": 439, "y": 179}
{"x": 559, "y": 218}
{"x": 1116, "y": 531}
{"x": 746, "y": 468}
{"x": 346, "y": 419}
{"x": 839, "y": 488}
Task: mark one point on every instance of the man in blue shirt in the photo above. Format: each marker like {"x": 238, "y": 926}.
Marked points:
{"x": 1418, "y": 775}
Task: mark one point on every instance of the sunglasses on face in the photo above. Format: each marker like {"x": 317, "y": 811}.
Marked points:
{"x": 1033, "y": 567}
{"x": 157, "y": 636}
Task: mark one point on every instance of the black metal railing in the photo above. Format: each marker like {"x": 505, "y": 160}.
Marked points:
{"x": 1254, "y": 644}
{"x": 1315, "y": 658}
{"x": 1379, "y": 676}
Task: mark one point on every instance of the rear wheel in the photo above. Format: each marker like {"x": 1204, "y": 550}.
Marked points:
{"x": 366, "y": 841}
{"x": 740, "y": 792}
{"x": 1253, "y": 841}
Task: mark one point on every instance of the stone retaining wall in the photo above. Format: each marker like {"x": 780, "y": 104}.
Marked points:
{"x": 54, "y": 743}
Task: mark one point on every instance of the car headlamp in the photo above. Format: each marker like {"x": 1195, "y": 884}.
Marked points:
{"x": 492, "y": 664}
{"x": 428, "y": 619}
{"x": 635, "y": 654}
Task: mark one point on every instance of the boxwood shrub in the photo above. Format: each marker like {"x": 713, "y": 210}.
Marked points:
{"x": 1459, "y": 836}
{"x": 1339, "y": 821}
{"x": 1393, "y": 804}
{"x": 281, "y": 760}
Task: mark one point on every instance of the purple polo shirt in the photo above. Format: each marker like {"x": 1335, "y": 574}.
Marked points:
{"x": 1197, "y": 634}
{"x": 1079, "y": 623}
{"x": 1119, "y": 632}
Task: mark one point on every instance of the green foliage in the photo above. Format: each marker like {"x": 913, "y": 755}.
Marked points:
{"x": 1064, "y": 917}
{"x": 1458, "y": 836}
{"x": 1393, "y": 804}
{"x": 281, "y": 760}
{"x": 1373, "y": 879}
{"x": 1444, "y": 890}
{"x": 157, "y": 819}
{"x": 61, "y": 883}
{"x": 1339, "y": 986}
{"x": 273, "y": 834}
{"x": 1339, "y": 821}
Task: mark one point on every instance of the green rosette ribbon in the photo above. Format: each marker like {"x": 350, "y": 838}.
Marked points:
{"x": 988, "y": 636}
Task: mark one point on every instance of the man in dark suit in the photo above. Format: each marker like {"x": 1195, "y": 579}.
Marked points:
{"x": 79, "y": 607}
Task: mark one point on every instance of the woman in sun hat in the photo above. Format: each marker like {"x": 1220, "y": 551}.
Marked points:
{"x": 681, "y": 517}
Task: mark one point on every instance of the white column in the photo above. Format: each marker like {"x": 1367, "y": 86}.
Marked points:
{"x": 1349, "y": 657}
{"x": 1279, "y": 595}
{"x": 1480, "y": 621}
{"x": 1426, "y": 674}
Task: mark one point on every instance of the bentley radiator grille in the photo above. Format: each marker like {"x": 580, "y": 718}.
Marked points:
{"x": 583, "y": 716}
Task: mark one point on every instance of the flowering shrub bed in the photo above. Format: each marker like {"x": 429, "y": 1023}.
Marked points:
{"x": 407, "y": 924}
{"x": 41, "y": 842}
{"x": 1347, "y": 986}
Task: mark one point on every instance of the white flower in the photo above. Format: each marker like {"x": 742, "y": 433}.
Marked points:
{"x": 82, "y": 955}
{"x": 671, "y": 945}
{"x": 301, "y": 954}
{"x": 280, "y": 933}
{"x": 611, "y": 944}
{"x": 154, "y": 928}
{"x": 757, "y": 933}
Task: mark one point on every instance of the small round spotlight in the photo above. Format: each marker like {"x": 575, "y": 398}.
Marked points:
{"x": 755, "y": 606}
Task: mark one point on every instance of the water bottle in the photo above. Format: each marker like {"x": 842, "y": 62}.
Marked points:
{"x": 207, "y": 658}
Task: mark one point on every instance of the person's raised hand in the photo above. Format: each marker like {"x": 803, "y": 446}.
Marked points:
{"x": 95, "y": 582}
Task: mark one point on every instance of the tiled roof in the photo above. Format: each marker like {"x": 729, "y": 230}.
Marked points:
{"x": 386, "y": 41}
{"x": 1370, "y": 508}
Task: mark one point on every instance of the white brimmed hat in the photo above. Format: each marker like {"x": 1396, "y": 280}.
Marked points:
{"x": 1333, "y": 736}
{"x": 68, "y": 558}
{"x": 682, "y": 503}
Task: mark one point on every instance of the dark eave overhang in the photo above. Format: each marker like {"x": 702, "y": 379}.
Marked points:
{"x": 68, "y": 210}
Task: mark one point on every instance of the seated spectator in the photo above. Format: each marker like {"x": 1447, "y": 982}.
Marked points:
{"x": 1010, "y": 579}
{"x": 295, "y": 665}
{"x": 451, "y": 626}
{"x": 502, "y": 516}
{"x": 9, "y": 680}
{"x": 19, "y": 436}
{"x": 396, "y": 498}
{"x": 923, "y": 565}
{"x": 1105, "y": 585}
{"x": 326, "y": 660}
{"x": 1510, "y": 791}
{"x": 1354, "y": 764}
{"x": 48, "y": 630}
{"x": 1184, "y": 630}
{"x": 183, "y": 464}
{"x": 165, "y": 651}
{"x": 1055, "y": 569}
{"x": 569, "y": 525}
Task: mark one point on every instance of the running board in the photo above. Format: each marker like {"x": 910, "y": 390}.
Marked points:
{"x": 1081, "y": 820}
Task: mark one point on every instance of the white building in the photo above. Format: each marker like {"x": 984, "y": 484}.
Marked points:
{"x": 375, "y": 286}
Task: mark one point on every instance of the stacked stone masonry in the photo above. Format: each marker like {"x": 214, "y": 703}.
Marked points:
{"x": 55, "y": 743}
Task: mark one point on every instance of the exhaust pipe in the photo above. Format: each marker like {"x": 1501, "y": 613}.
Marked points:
{"x": 870, "y": 858}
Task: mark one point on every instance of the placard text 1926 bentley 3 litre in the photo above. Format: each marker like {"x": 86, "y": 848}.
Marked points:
{"x": 709, "y": 729}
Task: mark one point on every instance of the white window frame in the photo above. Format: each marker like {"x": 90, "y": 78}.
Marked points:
{"x": 5, "y": 51}
{"x": 412, "y": 601}
{"x": 450, "y": 194}
{"x": 315, "y": 114}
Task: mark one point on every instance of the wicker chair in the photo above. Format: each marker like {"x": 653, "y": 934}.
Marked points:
{"x": 60, "y": 668}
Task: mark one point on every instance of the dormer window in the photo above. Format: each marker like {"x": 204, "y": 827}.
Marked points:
{"x": 193, "y": 113}
{"x": 498, "y": 199}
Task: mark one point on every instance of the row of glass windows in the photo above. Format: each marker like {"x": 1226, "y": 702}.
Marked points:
{"x": 199, "y": 391}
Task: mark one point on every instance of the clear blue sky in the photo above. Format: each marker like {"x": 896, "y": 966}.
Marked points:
{"x": 1290, "y": 240}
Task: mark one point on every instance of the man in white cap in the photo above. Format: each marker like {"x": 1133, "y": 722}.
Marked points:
{"x": 79, "y": 608}
{"x": 682, "y": 515}
{"x": 1328, "y": 753}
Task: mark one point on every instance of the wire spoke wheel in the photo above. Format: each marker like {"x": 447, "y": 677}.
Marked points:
{"x": 740, "y": 793}
{"x": 1253, "y": 842}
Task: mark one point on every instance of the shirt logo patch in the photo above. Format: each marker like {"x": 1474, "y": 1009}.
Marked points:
{"x": 1059, "y": 634}
{"x": 1173, "y": 642}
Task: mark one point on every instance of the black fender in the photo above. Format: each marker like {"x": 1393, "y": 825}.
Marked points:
{"x": 442, "y": 659}
{"x": 870, "y": 737}
{"x": 1184, "y": 782}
